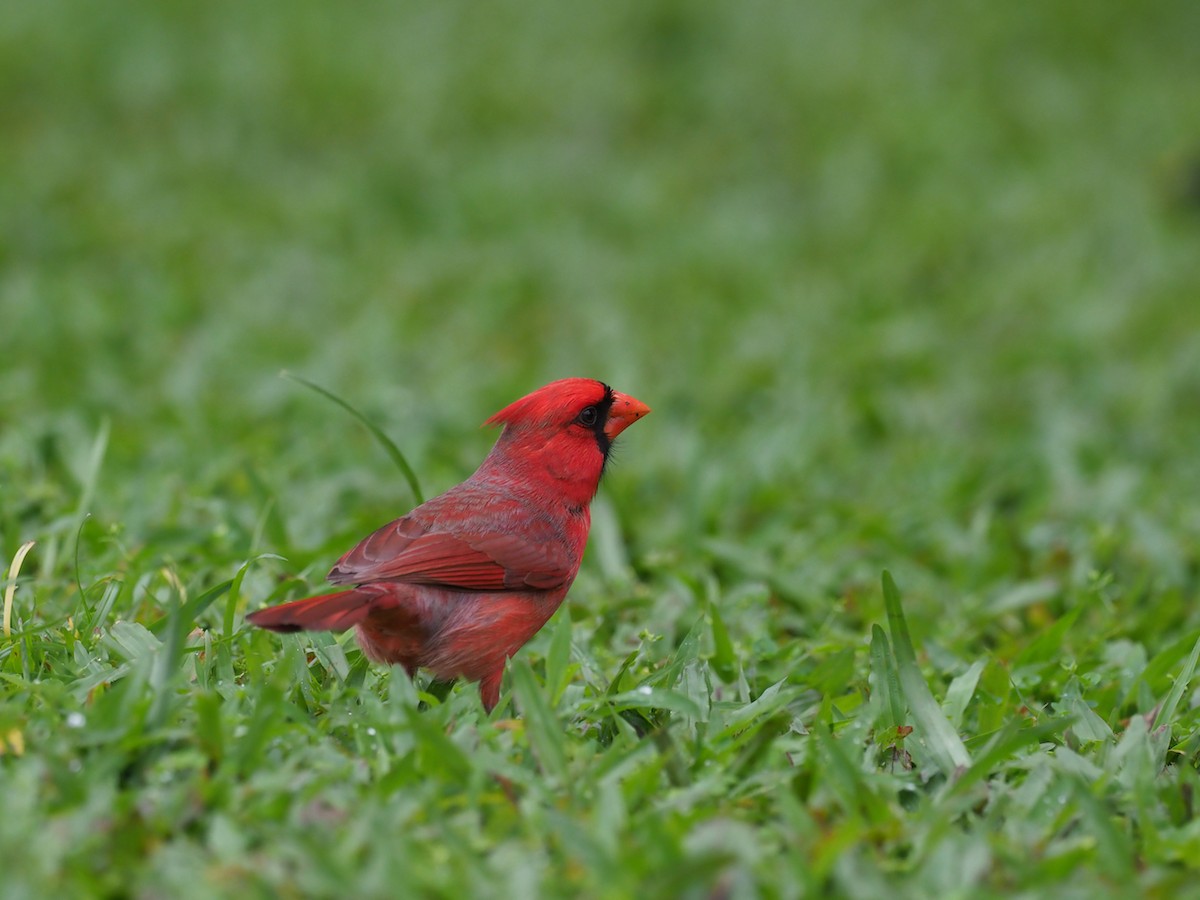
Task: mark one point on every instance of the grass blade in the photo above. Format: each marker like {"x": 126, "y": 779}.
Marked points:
{"x": 1087, "y": 725}
{"x": 9, "y": 592}
{"x": 887, "y": 685}
{"x": 558, "y": 657}
{"x": 1114, "y": 853}
{"x": 91, "y": 475}
{"x": 960, "y": 691}
{"x": 1166, "y": 712}
{"x": 652, "y": 698}
{"x": 384, "y": 441}
{"x": 724, "y": 658}
{"x": 234, "y": 587}
{"x": 542, "y": 728}
{"x": 935, "y": 729}
{"x": 189, "y": 610}
{"x": 172, "y": 629}
{"x": 1005, "y": 747}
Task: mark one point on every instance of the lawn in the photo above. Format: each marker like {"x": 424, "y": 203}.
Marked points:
{"x": 894, "y": 593}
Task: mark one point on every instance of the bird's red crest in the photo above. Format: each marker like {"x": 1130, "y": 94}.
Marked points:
{"x": 548, "y": 402}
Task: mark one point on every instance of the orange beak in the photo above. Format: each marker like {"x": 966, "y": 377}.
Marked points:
{"x": 625, "y": 410}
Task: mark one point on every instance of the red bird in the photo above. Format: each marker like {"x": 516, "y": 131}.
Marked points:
{"x": 464, "y": 580}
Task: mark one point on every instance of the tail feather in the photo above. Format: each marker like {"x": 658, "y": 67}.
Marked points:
{"x": 328, "y": 612}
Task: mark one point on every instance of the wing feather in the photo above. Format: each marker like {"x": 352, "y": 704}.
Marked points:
{"x": 465, "y": 540}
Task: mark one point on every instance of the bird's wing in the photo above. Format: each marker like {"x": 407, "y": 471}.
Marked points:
{"x": 494, "y": 546}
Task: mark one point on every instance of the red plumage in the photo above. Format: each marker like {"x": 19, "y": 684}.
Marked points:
{"x": 464, "y": 580}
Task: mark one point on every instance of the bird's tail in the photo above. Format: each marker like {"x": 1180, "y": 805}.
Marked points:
{"x": 328, "y": 612}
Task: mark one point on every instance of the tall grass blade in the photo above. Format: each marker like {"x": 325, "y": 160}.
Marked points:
{"x": 887, "y": 684}
{"x": 934, "y": 729}
{"x": 384, "y": 441}
{"x": 91, "y": 475}
{"x": 10, "y": 592}
{"x": 542, "y": 728}
{"x": 1166, "y": 712}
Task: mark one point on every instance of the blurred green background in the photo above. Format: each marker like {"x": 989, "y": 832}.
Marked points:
{"x": 907, "y": 285}
{"x": 803, "y": 235}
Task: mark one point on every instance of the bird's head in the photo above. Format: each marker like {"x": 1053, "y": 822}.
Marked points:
{"x": 565, "y": 430}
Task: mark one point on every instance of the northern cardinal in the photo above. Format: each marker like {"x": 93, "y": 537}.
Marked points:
{"x": 464, "y": 580}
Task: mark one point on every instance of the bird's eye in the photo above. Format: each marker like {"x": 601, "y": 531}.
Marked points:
{"x": 588, "y": 416}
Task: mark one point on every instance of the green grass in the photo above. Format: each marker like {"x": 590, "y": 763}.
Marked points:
{"x": 910, "y": 288}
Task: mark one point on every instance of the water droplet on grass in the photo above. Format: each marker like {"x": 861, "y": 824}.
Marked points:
{"x": 76, "y": 720}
